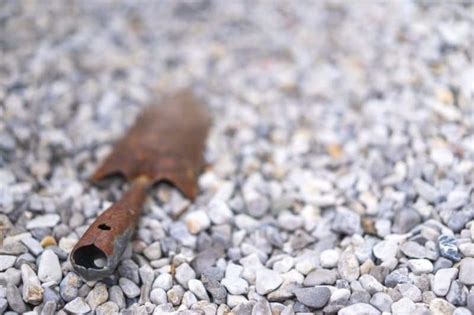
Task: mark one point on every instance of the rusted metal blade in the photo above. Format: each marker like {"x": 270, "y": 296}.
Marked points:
{"x": 166, "y": 143}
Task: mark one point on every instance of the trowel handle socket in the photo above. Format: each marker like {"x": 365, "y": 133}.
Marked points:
{"x": 98, "y": 252}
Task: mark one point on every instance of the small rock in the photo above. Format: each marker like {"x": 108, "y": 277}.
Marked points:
{"x": 262, "y": 307}
{"x": 49, "y": 268}
{"x": 284, "y": 265}
{"x": 457, "y": 198}
{"x": 406, "y": 220}
{"x": 403, "y": 306}
{"x": 466, "y": 271}
{"x": 359, "y": 308}
{"x": 315, "y": 297}
{"x": 267, "y": 280}
{"x": 196, "y": 287}
{"x": 420, "y": 266}
{"x": 158, "y": 296}
{"x": 48, "y": 241}
{"x": 329, "y": 258}
{"x": 443, "y": 157}
{"x": 153, "y": 252}
{"x": 14, "y": 299}
{"x": 189, "y": 299}
{"x": 32, "y": 290}
{"x": 346, "y": 221}
{"x": 129, "y": 288}
{"x": 236, "y": 286}
{"x": 382, "y": 301}
{"x": 396, "y": 277}
{"x": 163, "y": 281}
{"x": 320, "y": 276}
{"x": 42, "y": 221}
{"x": 467, "y": 249}
{"x": 97, "y": 295}
{"x": 197, "y": 221}
{"x": 6, "y": 261}
{"x": 441, "y": 263}
{"x": 426, "y": 191}
{"x": 447, "y": 247}
{"x": 441, "y": 307}
{"x": 410, "y": 291}
{"x": 3, "y": 305}
{"x": 175, "y": 295}
{"x": 219, "y": 212}
{"x": 370, "y": 284}
{"x": 129, "y": 269}
{"x": 108, "y": 308}
{"x": 116, "y": 296}
{"x": 77, "y": 306}
{"x": 348, "y": 266}
{"x": 414, "y": 250}
{"x": 49, "y": 308}
{"x": 386, "y": 250}
{"x": 183, "y": 274}
{"x": 33, "y": 245}
{"x": 69, "y": 286}
{"x": 13, "y": 248}
{"x": 442, "y": 280}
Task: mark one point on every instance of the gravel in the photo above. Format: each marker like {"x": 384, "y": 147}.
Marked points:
{"x": 339, "y": 164}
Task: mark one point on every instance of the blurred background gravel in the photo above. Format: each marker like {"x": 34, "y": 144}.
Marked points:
{"x": 340, "y": 172}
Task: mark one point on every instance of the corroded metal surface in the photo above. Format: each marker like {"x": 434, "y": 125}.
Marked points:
{"x": 165, "y": 144}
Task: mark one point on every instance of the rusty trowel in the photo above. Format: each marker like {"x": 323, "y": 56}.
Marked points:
{"x": 165, "y": 144}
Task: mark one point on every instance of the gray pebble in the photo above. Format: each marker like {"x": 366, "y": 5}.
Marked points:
{"x": 267, "y": 281}
{"x": 382, "y": 301}
{"x": 447, "y": 247}
{"x": 129, "y": 269}
{"x": 370, "y": 284}
{"x": 116, "y": 296}
{"x": 466, "y": 271}
{"x": 320, "y": 276}
{"x": 183, "y": 274}
{"x": 442, "y": 280}
{"x": 403, "y": 306}
{"x": 346, "y": 221}
{"x": 262, "y": 307}
{"x": 42, "y": 221}
{"x": 406, "y": 220}
{"x": 108, "y": 308}
{"x": 359, "y": 308}
{"x": 196, "y": 287}
{"x": 414, "y": 250}
{"x": 158, "y": 296}
{"x": 315, "y": 297}
{"x": 348, "y": 266}
{"x": 97, "y": 295}
{"x": 6, "y": 261}
{"x": 49, "y": 268}
{"x": 14, "y": 299}
{"x": 129, "y": 288}
{"x": 49, "y": 308}
{"x": 69, "y": 286}
{"x": 11, "y": 275}
{"x": 14, "y": 248}
{"x": 32, "y": 290}
{"x": 77, "y": 306}
{"x": 175, "y": 294}
{"x": 163, "y": 281}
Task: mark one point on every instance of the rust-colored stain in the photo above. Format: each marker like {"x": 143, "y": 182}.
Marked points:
{"x": 165, "y": 144}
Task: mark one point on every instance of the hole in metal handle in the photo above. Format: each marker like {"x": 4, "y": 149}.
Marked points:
{"x": 90, "y": 257}
{"x": 104, "y": 227}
